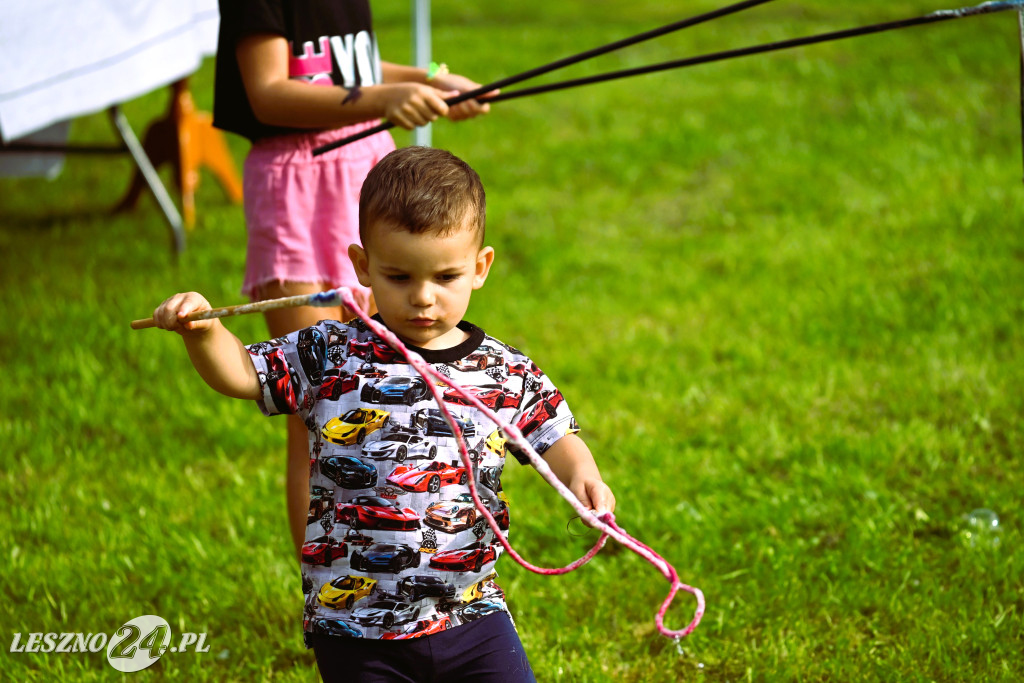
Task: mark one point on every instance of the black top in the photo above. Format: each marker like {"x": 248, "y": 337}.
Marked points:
{"x": 331, "y": 42}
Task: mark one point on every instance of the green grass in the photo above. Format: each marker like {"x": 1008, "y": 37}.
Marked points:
{"x": 807, "y": 267}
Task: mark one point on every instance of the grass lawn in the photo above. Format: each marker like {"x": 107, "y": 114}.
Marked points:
{"x": 784, "y": 296}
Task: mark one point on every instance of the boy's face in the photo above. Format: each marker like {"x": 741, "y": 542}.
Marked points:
{"x": 422, "y": 283}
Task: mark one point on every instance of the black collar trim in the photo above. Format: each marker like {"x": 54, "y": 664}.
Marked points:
{"x": 454, "y": 353}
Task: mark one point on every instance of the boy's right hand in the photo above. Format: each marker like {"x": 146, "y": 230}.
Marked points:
{"x": 171, "y": 314}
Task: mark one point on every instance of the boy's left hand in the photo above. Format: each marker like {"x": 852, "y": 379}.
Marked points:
{"x": 571, "y": 461}
{"x": 594, "y": 494}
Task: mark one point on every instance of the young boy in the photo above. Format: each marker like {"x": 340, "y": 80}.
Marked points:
{"x": 395, "y": 549}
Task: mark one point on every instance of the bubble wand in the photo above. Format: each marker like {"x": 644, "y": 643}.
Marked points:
{"x": 558, "y": 64}
{"x": 604, "y": 522}
{"x": 482, "y": 93}
{"x": 933, "y": 17}
{"x": 319, "y": 299}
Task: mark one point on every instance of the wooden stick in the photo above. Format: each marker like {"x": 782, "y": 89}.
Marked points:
{"x": 331, "y": 297}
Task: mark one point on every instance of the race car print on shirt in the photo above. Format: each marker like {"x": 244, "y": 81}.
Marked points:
{"x": 431, "y": 422}
{"x": 452, "y": 516}
{"x": 385, "y": 613}
{"x": 323, "y": 550}
{"x": 421, "y": 628}
{"x": 391, "y": 522}
{"x": 491, "y": 395}
{"x": 375, "y": 351}
{"x": 470, "y": 558}
{"x": 374, "y": 512}
{"x": 385, "y": 557}
{"x": 353, "y": 426}
{"x": 399, "y": 446}
{"x": 396, "y": 389}
{"x": 336, "y": 383}
{"x": 344, "y": 591}
{"x": 281, "y": 381}
{"x": 348, "y": 472}
{"x": 430, "y": 477}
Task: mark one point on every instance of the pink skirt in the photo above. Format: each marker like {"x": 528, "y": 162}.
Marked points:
{"x": 301, "y": 211}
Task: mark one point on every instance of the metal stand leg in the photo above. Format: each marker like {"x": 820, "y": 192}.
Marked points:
{"x": 1020, "y": 27}
{"x": 151, "y": 177}
{"x": 421, "y": 50}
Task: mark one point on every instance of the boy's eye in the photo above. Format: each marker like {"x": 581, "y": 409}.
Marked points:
{"x": 398, "y": 278}
{"x": 448, "y": 277}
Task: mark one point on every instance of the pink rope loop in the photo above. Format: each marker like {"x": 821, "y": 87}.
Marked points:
{"x": 605, "y": 523}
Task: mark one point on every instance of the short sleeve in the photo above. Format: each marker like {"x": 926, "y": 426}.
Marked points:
{"x": 290, "y": 370}
{"x": 543, "y": 417}
{"x": 240, "y": 18}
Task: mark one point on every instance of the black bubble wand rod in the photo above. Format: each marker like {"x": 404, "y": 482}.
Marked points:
{"x": 559, "y": 64}
{"x": 940, "y": 15}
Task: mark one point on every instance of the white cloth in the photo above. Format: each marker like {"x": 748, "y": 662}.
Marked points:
{"x": 65, "y": 58}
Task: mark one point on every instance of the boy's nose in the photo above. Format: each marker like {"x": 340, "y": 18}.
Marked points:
{"x": 422, "y": 295}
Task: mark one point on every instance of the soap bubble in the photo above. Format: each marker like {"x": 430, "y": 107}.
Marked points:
{"x": 979, "y": 529}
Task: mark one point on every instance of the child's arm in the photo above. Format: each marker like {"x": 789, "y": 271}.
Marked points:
{"x": 571, "y": 461}
{"x": 404, "y": 98}
{"x": 218, "y": 356}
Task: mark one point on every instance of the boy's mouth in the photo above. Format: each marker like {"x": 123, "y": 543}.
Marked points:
{"x": 422, "y": 322}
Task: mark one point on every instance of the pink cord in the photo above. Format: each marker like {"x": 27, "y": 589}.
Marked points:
{"x": 606, "y": 522}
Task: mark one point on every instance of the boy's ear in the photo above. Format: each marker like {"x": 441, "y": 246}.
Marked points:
{"x": 484, "y": 259}
{"x": 361, "y": 263}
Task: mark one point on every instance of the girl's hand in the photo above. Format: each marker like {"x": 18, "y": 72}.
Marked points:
{"x": 412, "y": 104}
{"x": 170, "y": 315}
{"x": 452, "y": 85}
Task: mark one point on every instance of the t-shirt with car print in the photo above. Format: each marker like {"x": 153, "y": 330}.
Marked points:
{"x": 395, "y": 547}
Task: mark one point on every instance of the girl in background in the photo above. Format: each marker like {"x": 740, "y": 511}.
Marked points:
{"x": 291, "y": 76}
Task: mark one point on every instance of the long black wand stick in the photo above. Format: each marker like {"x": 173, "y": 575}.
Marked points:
{"x": 558, "y": 64}
{"x": 944, "y": 15}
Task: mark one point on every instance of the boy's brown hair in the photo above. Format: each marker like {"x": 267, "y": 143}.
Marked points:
{"x": 422, "y": 189}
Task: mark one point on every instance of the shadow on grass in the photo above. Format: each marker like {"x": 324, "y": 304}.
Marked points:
{"x": 24, "y": 219}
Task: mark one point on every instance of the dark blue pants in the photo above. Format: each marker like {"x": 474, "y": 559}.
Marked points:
{"x": 485, "y": 650}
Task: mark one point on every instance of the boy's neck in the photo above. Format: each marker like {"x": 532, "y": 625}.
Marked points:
{"x": 448, "y": 340}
